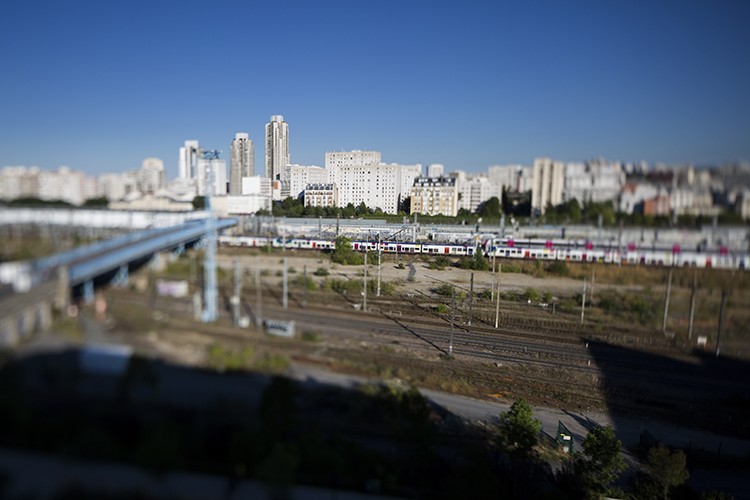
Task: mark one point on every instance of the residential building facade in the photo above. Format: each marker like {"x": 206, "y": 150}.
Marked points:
{"x": 321, "y": 195}
{"x": 241, "y": 161}
{"x": 434, "y": 196}
{"x": 188, "y": 160}
{"x": 277, "y": 147}
{"x": 547, "y": 189}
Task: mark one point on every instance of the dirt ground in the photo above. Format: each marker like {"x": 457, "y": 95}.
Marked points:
{"x": 424, "y": 278}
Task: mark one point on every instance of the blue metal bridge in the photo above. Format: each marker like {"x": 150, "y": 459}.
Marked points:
{"x": 114, "y": 256}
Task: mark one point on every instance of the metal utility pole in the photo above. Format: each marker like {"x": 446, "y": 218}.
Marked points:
{"x": 210, "y": 312}
{"x": 379, "y": 254}
{"x": 497, "y": 299}
{"x": 583, "y": 300}
{"x": 304, "y": 296}
{"x": 236, "y": 296}
{"x": 285, "y": 291}
{"x": 364, "y": 285}
{"x": 258, "y": 300}
{"x": 721, "y": 320}
{"x": 492, "y": 291}
{"x": 692, "y": 307}
{"x": 471, "y": 298}
{"x": 666, "y": 301}
{"x": 453, "y": 318}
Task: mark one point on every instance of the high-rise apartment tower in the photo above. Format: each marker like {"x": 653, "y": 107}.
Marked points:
{"x": 277, "y": 147}
{"x": 241, "y": 162}
{"x": 189, "y": 155}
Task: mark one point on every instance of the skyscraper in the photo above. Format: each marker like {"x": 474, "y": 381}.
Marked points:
{"x": 277, "y": 147}
{"x": 241, "y": 162}
{"x": 189, "y": 155}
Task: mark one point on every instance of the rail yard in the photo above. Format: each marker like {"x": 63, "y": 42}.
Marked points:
{"x": 546, "y": 352}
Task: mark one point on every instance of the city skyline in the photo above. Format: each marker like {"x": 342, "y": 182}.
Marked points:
{"x": 466, "y": 85}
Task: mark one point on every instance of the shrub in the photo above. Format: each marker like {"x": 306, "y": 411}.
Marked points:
{"x": 439, "y": 263}
{"x": 321, "y": 271}
{"x": 558, "y": 268}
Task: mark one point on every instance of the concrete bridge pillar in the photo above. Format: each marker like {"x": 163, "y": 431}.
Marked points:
{"x": 62, "y": 300}
{"x": 88, "y": 291}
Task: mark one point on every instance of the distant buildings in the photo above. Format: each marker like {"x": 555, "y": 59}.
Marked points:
{"x": 547, "y": 187}
{"x": 360, "y": 177}
{"x": 321, "y": 195}
{"x": 277, "y": 147}
{"x": 241, "y": 162}
{"x": 151, "y": 177}
{"x": 188, "y": 160}
{"x": 434, "y": 196}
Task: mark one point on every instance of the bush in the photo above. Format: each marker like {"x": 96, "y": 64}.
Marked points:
{"x": 321, "y": 271}
{"x": 224, "y": 358}
{"x": 475, "y": 263}
{"x": 439, "y": 263}
{"x": 345, "y": 254}
{"x": 558, "y": 268}
{"x": 532, "y": 295}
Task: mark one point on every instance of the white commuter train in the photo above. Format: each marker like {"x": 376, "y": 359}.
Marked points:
{"x": 552, "y": 250}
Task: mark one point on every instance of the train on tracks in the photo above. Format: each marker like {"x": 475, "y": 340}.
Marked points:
{"x": 528, "y": 249}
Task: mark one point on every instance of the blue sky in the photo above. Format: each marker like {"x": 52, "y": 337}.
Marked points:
{"x": 101, "y": 85}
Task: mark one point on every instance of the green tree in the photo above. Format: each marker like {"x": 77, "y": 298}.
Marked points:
{"x": 102, "y": 201}
{"x": 199, "y": 203}
{"x": 519, "y": 430}
{"x": 666, "y": 469}
{"x": 490, "y": 208}
{"x": 601, "y": 462}
{"x": 345, "y": 254}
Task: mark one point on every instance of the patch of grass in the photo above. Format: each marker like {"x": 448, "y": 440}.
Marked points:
{"x": 310, "y": 336}
{"x": 321, "y": 271}
{"x": 68, "y": 328}
{"x": 224, "y": 358}
{"x": 271, "y": 363}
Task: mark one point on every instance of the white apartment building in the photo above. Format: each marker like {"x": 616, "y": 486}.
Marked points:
{"x": 256, "y": 186}
{"x": 241, "y": 161}
{"x": 596, "y": 181}
{"x": 351, "y": 158}
{"x": 691, "y": 201}
{"x": 547, "y": 189}
{"x": 299, "y": 176}
{"x": 514, "y": 178}
{"x": 19, "y": 182}
{"x": 435, "y": 170}
{"x": 434, "y": 196}
{"x": 409, "y": 174}
{"x": 188, "y": 161}
{"x": 116, "y": 186}
{"x": 321, "y": 195}
{"x": 473, "y": 190}
{"x": 64, "y": 184}
{"x": 360, "y": 177}
{"x": 151, "y": 177}
{"x": 240, "y": 205}
{"x": 377, "y": 186}
{"x": 277, "y": 147}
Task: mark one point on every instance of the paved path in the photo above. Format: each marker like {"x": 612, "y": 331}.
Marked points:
{"x": 628, "y": 429}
